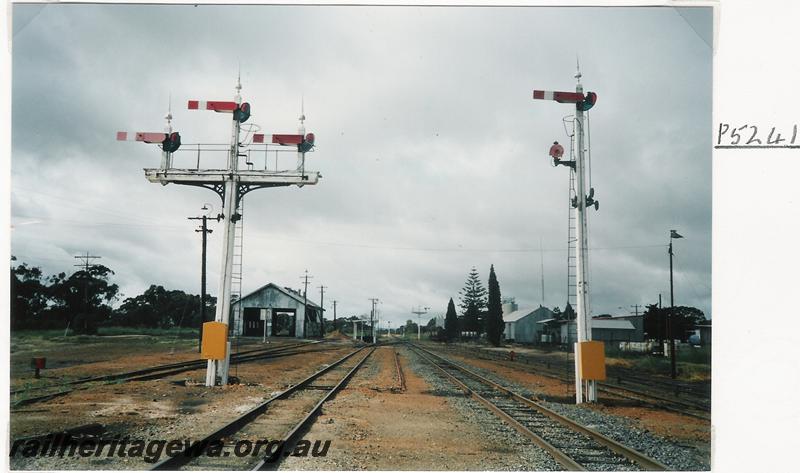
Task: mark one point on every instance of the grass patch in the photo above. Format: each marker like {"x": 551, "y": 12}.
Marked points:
{"x": 693, "y": 364}
{"x": 177, "y": 332}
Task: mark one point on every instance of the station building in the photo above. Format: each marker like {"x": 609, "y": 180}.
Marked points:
{"x": 286, "y": 312}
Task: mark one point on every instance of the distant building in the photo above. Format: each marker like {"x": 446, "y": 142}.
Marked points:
{"x": 704, "y": 332}
{"x": 292, "y": 316}
{"x": 521, "y": 325}
{"x": 607, "y": 329}
{"x": 636, "y": 320}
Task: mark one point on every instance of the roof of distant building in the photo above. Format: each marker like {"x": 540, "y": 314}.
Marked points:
{"x": 521, "y": 313}
{"x": 602, "y": 323}
{"x": 285, "y": 290}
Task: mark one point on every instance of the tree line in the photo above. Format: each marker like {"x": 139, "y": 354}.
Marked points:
{"x": 481, "y": 311}
{"x": 83, "y": 302}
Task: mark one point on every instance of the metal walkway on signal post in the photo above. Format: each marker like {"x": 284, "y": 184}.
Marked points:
{"x": 230, "y": 183}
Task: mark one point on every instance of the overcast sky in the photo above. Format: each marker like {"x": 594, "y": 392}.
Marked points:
{"x": 432, "y": 152}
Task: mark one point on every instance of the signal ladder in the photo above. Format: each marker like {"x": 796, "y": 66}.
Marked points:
{"x": 236, "y": 278}
{"x": 572, "y": 231}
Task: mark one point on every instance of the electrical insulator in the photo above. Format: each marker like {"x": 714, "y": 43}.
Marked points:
{"x": 242, "y": 112}
{"x": 587, "y": 103}
{"x": 171, "y": 143}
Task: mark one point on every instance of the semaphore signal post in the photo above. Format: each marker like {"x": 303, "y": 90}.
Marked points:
{"x": 589, "y": 356}
{"x": 231, "y": 183}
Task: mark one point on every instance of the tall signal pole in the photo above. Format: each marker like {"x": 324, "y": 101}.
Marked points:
{"x": 231, "y": 185}
{"x": 420, "y": 312}
{"x": 583, "y": 389}
{"x": 334, "y": 315}
{"x": 205, "y": 231}
{"x": 372, "y": 317}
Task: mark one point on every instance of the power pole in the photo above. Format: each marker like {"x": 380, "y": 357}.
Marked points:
{"x": 230, "y": 184}
{"x": 584, "y": 389}
{"x": 661, "y": 327}
{"x": 86, "y": 265}
{"x": 322, "y": 308}
{"x": 671, "y": 326}
{"x": 636, "y": 309}
{"x": 541, "y": 268}
{"x": 205, "y": 231}
{"x": 305, "y": 279}
{"x": 86, "y": 258}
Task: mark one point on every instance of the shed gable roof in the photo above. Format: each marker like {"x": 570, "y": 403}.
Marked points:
{"x": 283, "y": 290}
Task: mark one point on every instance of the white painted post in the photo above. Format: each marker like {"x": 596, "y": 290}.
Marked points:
{"x": 229, "y": 209}
{"x": 355, "y": 330}
{"x": 263, "y": 313}
{"x": 584, "y": 320}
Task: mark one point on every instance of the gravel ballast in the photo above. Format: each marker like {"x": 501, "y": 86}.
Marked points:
{"x": 677, "y": 457}
{"x": 531, "y": 457}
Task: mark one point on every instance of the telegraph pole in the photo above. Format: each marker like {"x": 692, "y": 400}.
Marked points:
{"x": 636, "y": 309}
{"x": 322, "y": 307}
{"x": 231, "y": 185}
{"x": 86, "y": 265}
{"x": 205, "y": 231}
{"x": 305, "y": 279}
{"x": 671, "y": 325}
{"x": 582, "y": 200}
{"x": 86, "y": 258}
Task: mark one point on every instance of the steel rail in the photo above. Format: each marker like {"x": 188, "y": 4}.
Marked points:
{"x": 159, "y": 371}
{"x": 401, "y": 379}
{"x": 629, "y": 453}
{"x": 115, "y": 376}
{"x": 557, "y": 454}
{"x": 187, "y": 455}
{"x": 273, "y": 461}
{"x": 613, "y": 372}
{"x": 683, "y": 406}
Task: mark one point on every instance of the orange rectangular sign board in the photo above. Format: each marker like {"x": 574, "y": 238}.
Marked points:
{"x": 215, "y": 340}
{"x": 592, "y": 358}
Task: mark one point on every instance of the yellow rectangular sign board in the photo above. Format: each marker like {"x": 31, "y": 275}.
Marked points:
{"x": 215, "y": 340}
{"x": 592, "y": 359}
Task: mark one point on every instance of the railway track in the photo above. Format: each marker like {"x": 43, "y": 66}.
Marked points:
{"x": 155, "y": 372}
{"x": 572, "y": 445}
{"x": 273, "y": 419}
{"x": 400, "y": 377}
{"x": 643, "y": 390}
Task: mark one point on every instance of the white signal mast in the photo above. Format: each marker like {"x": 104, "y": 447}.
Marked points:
{"x": 583, "y": 388}
{"x": 231, "y": 184}
{"x": 419, "y": 313}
